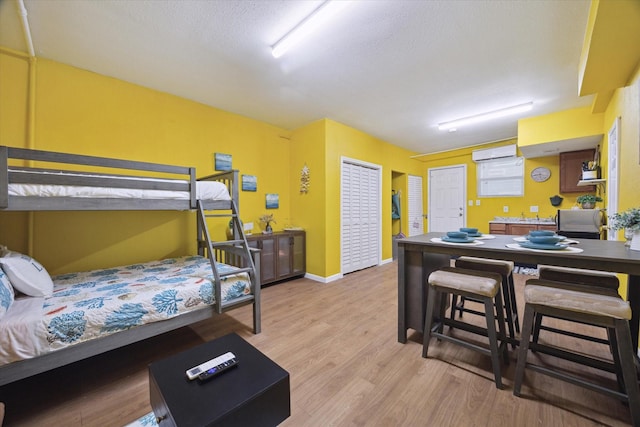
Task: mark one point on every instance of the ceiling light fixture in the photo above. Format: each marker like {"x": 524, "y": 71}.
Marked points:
{"x": 317, "y": 18}
{"x": 486, "y": 116}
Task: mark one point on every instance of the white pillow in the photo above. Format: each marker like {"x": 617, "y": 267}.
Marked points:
{"x": 27, "y": 275}
{"x": 6, "y": 293}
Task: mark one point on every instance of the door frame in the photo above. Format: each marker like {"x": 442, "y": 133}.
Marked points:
{"x": 613, "y": 184}
{"x": 464, "y": 192}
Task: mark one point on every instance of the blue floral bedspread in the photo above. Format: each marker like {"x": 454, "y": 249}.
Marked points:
{"x": 91, "y": 304}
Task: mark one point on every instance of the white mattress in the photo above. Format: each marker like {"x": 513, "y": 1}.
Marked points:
{"x": 205, "y": 190}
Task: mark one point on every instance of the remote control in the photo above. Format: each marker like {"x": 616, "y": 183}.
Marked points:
{"x": 218, "y": 369}
{"x": 193, "y": 373}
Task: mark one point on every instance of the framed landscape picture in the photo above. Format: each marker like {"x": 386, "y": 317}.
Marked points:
{"x": 272, "y": 201}
{"x": 249, "y": 183}
{"x": 222, "y": 162}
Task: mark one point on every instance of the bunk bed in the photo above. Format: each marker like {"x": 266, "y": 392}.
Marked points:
{"x": 168, "y": 294}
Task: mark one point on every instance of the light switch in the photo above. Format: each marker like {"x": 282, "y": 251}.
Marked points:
{"x": 470, "y": 202}
{"x": 477, "y": 202}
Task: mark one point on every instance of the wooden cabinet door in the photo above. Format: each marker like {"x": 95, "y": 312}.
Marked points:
{"x": 285, "y": 256}
{"x": 299, "y": 254}
{"x": 520, "y": 229}
{"x": 551, "y": 227}
{"x": 571, "y": 171}
{"x": 499, "y": 228}
{"x": 268, "y": 255}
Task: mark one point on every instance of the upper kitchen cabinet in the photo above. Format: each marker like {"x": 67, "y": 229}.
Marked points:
{"x": 571, "y": 171}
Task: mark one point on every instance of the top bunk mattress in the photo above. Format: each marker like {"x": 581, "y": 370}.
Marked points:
{"x": 205, "y": 190}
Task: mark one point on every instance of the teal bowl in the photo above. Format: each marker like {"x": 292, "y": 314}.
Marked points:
{"x": 457, "y": 234}
{"x": 469, "y": 230}
{"x": 545, "y": 240}
{"x": 536, "y": 233}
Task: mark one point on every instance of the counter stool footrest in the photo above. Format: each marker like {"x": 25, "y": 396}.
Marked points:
{"x": 603, "y": 365}
{"x": 463, "y": 343}
{"x": 574, "y": 334}
{"x": 577, "y": 381}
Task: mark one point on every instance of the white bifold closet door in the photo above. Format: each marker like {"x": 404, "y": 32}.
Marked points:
{"x": 361, "y": 216}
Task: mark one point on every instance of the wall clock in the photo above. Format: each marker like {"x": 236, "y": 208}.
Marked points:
{"x": 540, "y": 174}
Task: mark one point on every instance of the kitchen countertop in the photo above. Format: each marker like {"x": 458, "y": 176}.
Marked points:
{"x": 518, "y": 220}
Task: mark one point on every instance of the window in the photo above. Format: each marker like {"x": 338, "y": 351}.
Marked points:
{"x": 501, "y": 177}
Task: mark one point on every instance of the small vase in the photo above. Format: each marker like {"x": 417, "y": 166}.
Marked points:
{"x": 588, "y": 205}
{"x": 628, "y": 235}
{"x": 268, "y": 228}
{"x": 635, "y": 241}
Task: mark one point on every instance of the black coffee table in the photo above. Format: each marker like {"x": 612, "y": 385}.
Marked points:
{"x": 254, "y": 393}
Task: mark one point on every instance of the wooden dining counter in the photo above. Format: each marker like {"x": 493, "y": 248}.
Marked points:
{"x": 418, "y": 256}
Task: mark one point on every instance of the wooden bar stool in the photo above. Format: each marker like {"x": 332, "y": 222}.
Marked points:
{"x": 554, "y": 299}
{"x": 581, "y": 280}
{"x": 505, "y": 269}
{"x": 480, "y": 285}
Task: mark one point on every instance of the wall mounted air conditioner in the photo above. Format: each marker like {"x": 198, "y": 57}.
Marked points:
{"x": 493, "y": 153}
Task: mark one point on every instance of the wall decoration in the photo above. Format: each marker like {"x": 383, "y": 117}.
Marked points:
{"x": 249, "y": 183}
{"x": 304, "y": 179}
{"x": 272, "y": 201}
{"x": 222, "y": 162}
{"x": 540, "y": 174}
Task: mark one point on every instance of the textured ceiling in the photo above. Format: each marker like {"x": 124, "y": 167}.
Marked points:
{"x": 393, "y": 69}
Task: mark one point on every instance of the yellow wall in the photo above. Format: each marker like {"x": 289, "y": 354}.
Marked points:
{"x": 14, "y": 82}
{"x": 626, "y": 105}
{"x": 559, "y": 126}
{"x": 81, "y": 112}
{"x": 535, "y": 193}
{"x": 308, "y": 210}
{"x": 354, "y": 144}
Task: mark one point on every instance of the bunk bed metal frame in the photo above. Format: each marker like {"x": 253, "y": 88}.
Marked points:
{"x": 233, "y": 252}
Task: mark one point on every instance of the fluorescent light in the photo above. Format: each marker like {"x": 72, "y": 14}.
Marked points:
{"x": 486, "y": 116}
{"x": 318, "y": 17}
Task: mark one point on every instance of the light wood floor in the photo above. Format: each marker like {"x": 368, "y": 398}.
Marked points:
{"x": 339, "y": 343}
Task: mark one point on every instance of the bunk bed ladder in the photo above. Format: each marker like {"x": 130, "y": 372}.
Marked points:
{"x": 236, "y": 249}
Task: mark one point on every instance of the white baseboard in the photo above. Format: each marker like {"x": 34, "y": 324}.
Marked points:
{"x": 321, "y": 279}
{"x": 386, "y": 261}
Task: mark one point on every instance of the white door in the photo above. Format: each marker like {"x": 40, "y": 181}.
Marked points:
{"x": 360, "y": 215}
{"x": 612, "y": 173}
{"x": 447, "y": 195}
{"x": 415, "y": 210}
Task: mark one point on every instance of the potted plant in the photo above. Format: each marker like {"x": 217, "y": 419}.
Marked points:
{"x": 267, "y": 219}
{"x": 629, "y": 221}
{"x": 588, "y": 201}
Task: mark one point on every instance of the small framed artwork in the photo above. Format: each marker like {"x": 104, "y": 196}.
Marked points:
{"x": 272, "y": 201}
{"x": 222, "y": 162}
{"x": 249, "y": 183}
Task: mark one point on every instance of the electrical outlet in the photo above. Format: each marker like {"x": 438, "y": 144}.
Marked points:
{"x": 533, "y": 209}
{"x": 505, "y": 209}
